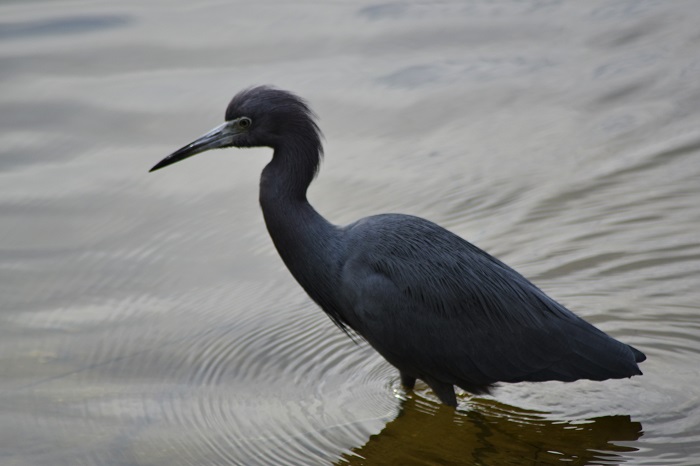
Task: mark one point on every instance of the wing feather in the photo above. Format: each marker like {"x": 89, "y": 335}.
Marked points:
{"x": 435, "y": 305}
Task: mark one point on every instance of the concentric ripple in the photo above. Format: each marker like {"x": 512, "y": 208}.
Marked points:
{"x": 256, "y": 389}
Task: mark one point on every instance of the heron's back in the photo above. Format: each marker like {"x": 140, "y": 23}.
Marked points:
{"x": 434, "y": 304}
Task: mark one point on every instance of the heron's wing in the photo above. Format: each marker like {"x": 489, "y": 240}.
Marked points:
{"x": 434, "y": 304}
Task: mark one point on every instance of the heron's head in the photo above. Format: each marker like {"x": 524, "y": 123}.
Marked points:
{"x": 259, "y": 116}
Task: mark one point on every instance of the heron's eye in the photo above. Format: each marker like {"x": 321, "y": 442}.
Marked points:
{"x": 245, "y": 122}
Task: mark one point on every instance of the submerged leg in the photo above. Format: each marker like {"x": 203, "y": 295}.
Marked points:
{"x": 444, "y": 391}
{"x": 407, "y": 380}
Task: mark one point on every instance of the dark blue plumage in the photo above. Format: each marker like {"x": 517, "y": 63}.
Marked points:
{"x": 435, "y": 306}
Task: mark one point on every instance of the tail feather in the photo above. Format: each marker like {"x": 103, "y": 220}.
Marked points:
{"x": 596, "y": 356}
{"x": 638, "y": 355}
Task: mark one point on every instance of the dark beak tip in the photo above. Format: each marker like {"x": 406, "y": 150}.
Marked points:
{"x": 169, "y": 160}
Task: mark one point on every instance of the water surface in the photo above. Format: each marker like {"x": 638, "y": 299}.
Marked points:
{"x": 147, "y": 319}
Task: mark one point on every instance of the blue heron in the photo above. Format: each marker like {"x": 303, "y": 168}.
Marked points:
{"x": 435, "y": 306}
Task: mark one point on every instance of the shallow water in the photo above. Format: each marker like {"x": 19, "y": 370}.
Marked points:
{"x": 147, "y": 319}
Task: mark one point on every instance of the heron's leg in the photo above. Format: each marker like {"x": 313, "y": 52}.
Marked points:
{"x": 407, "y": 381}
{"x": 444, "y": 391}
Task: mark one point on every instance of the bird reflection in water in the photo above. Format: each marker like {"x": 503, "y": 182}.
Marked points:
{"x": 491, "y": 433}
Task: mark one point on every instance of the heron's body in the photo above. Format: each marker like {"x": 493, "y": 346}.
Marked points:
{"x": 435, "y": 306}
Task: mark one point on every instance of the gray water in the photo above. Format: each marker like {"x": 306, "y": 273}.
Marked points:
{"x": 146, "y": 319}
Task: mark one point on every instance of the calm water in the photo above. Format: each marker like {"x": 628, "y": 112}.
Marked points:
{"x": 147, "y": 319}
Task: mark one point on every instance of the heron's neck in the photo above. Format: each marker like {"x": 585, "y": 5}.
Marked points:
{"x": 291, "y": 171}
{"x": 305, "y": 240}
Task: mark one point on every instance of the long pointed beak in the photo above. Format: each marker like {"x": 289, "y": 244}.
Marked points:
{"x": 221, "y": 136}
